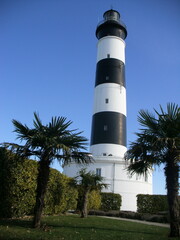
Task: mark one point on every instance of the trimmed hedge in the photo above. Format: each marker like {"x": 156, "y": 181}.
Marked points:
{"x": 110, "y": 201}
{"x": 151, "y": 203}
{"x": 132, "y": 215}
{"x": 17, "y": 185}
{"x": 18, "y": 188}
{"x": 60, "y": 196}
{"x": 94, "y": 200}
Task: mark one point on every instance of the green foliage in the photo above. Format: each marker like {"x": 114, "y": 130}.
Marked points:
{"x": 18, "y": 182}
{"x": 110, "y": 201}
{"x": 60, "y": 196}
{"x": 89, "y": 184}
{"x": 89, "y": 180}
{"x": 94, "y": 199}
{"x": 50, "y": 141}
{"x": 161, "y": 217}
{"x": 151, "y": 203}
{"x": 158, "y": 142}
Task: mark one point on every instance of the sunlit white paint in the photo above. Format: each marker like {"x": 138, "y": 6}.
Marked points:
{"x": 114, "y": 93}
{"x": 113, "y": 46}
{"x": 115, "y": 150}
{"x": 119, "y": 180}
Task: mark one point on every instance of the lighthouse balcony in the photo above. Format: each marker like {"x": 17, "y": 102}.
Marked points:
{"x": 108, "y": 151}
{"x": 109, "y": 159}
{"x": 112, "y": 20}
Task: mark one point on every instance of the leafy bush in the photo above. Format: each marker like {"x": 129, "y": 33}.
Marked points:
{"x": 151, "y": 203}
{"x": 113, "y": 213}
{"x": 18, "y": 184}
{"x": 60, "y": 196}
{"x": 18, "y": 188}
{"x": 132, "y": 215}
{"x": 110, "y": 201}
{"x": 97, "y": 213}
{"x": 94, "y": 199}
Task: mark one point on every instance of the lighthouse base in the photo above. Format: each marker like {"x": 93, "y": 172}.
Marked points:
{"x": 119, "y": 181}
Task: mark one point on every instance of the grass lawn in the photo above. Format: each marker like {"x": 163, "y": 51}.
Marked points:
{"x": 75, "y": 228}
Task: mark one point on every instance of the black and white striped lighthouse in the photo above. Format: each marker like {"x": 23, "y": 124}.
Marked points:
{"x": 108, "y": 133}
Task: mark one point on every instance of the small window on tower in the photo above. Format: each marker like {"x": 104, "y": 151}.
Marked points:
{"x": 107, "y": 78}
{"x": 98, "y": 171}
{"x": 105, "y": 128}
{"x": 108, "y": 55}
{"x": 106, "y": 100}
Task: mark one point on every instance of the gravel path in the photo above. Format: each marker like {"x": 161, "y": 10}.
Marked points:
{"x": 139, "y": 221}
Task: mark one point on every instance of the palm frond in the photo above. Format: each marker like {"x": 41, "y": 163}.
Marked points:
{"x": 173, "y": 110}
{"x": 79, "y": 157}
{"x": 22, "y": 130}
{"x": 20, "y": 150}
{"x": 159, "y": 138}
{"x": 54, "y": 139}
{"x": 37, "y": 121}
{"x": 60, "y": 125}
{"x": 140, "y": 168}
{"x": 147, "y": 120}
{"x": 90, "y": 180}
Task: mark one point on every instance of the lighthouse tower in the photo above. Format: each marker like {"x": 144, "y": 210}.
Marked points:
{"x": 108, "y": 136}
{"x": 108, "y": 133}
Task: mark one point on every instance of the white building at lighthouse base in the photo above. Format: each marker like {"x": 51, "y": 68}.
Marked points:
{"x": 115, "y": 174}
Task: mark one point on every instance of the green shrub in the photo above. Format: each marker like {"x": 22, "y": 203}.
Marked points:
{"x": 94, "y": 199}
{"x": 18, "y": 188}
{"x": 130, "y": 215}
{"x": 151, "y": 203}
{"x": 60, "y": 196}
{"x": 110, "y": 201}
{"x": 97, "y": 213}
{"x": 17, "y": 185}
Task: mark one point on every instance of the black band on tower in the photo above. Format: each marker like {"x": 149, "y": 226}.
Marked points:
{"x": 110, "y": 70}
{"x": 108, "y": 127}
{"x": 111, "y": 28}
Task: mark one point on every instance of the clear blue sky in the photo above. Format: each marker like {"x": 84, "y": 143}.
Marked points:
{"x": 48, "y": 60}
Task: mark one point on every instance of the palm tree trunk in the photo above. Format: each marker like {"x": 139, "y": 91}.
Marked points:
{"x": 42, "y": 181}
{"x": 172, "y": 174}
{"x": 85, "y": 203}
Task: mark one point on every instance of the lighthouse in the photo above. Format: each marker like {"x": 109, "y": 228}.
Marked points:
{"x": 108, "y": 132}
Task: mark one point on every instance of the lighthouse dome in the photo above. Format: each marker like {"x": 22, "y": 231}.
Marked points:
{"x": 111, "y": 25}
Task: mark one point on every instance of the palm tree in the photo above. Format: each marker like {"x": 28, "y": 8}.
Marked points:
{"x": 47, "y": 143}
{"x": 87, "y": 182}
{"x": 159, "y": 143}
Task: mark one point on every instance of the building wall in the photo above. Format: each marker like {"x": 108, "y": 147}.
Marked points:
{"x": 118, "y": 179}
